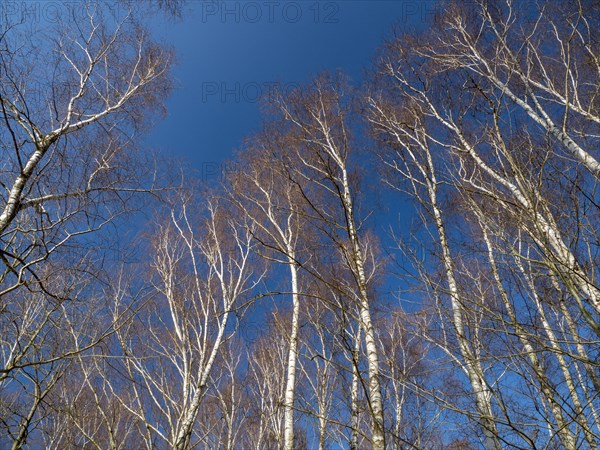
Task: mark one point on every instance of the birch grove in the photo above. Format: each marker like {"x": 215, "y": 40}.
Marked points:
{"x": 69, "y": 171}
{"x": 406, "y": 261}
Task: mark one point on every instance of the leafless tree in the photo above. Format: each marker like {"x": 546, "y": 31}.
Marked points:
{"x": 414, "y": 421}
{"x": 267, "y": 375}
{"x": 71, "y": 98}
{"x": 489, "y": 123}
{"x": 270, "y": 200}
{"x": 202, "y": 276}
{"x": 468, "y": 117}
{"x": 320, "y": 167}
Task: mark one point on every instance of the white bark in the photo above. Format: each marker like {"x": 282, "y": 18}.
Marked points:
{"x": 354, "y": 419}
{"x": 200, "y": 306}
{"x": 268, "y": 200}
{"x": 472, "y": 364}
{"x": 323, "y": 112}
{"x": 288, "y": 428}
{"x": 427, "y": 178}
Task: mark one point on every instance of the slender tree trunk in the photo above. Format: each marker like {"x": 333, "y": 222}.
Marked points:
{"x": 375, "y": 400}
{"x": 354, "y": 394}
{"x": 288, "y": 428}
{"x": 186, "y": 428}
{"x": 472, "y": 364}
{"x": 564, "y": 432}
{"x": 399, "y": 400}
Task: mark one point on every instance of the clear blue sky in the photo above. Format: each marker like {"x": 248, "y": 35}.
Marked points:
{"x": 229, "y": 52}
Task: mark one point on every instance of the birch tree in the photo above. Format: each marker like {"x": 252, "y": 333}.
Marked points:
{"x": 414, "y": 420}
{"x": 266, "y": 195}
{"x": 478, "y": 111}
{"x": 202, "y": 275}
{"x": 318, "y": 367}
{"x": 267, "y": 385}
{"x": 414, "y": 162}
{"x": 549, "y": 84}
{"x": 71, "y": 97}
{"x": 317, "y": 117}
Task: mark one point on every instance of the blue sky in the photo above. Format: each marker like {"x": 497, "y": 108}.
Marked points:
{"x": 230, "y": 52}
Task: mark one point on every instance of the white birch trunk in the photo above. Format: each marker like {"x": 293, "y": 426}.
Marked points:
{"x": 376, "y": 403}
{"x": 288, "y": 427}
{"x": 472, "y": 364}
{"x": 354, "y": 394}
